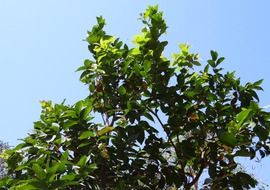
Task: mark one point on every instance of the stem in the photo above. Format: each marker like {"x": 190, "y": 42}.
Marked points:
{"x": 164, "y": 128}
{"x": 104, "y": 122}
{"x": 113, "y": 120}
{"x": 196, "y": 178}
{"x": 107, "y": 119}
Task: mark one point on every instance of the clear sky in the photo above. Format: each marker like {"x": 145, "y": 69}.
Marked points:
{"x": 41, "y": 46}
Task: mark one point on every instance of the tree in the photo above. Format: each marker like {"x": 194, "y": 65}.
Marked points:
{"x": 3, "y": 147}
{"x": 164, "y": 122}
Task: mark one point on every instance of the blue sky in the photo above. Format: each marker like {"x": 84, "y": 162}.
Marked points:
{"x": 41, "y": 45}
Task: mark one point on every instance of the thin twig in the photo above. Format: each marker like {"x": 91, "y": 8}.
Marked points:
{"x": 196, "y": 178}
{"x": 103, "y": 118}
{"x": 164, "y": 128}
{"x": 107, "y": 119}
{"x": 114, "y": 118}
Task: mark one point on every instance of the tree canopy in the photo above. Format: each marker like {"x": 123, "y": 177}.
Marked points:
{"x": 163, "y": 122}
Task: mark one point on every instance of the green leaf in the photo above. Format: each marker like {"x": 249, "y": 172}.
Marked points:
{"x": 149, "y": 116}
{"x": 30, "y": 140}
{"x": 64, "y": 156}
{"x": 122, "y": 90}
{"x": 39, "y": 125}
{"x": 206, "y": 68}
{"x": 53, "y": 169}
{"x": 147, "y": 65}
{"x": 242, "y": 117}
{"x": 105, "y": 130}
{"x": 79, "y": 106}
{"x": 101, "y": 21}
{"x": 18, "y": 147}
{"x": 87, "y": 134}
{"x": 191, "y": 94}
{"x": 184, "y": 48}
{"x": 86, "y": 111}
{"x": 83, "y": 160}
{"x": 246, "y": 180}
{"x": 39, "y": 171}
{"x": 135, "y": 51}
{"x": 227, "y": 138}
{"x": 214, "y": 55}
{"x": 21, "y": 167}
{"x": 258, "y": 83}
{"x": 244, "y": 153}
{"x": 220, "y": 60}
{"x": 23, "y": 186}
{"x": 63, "y": 184}
{"x": 212, "y": 63}
{"x": 70, "y": 113}
{"x": 81, "y": 68}
{"x": 69, "y": 124}
{"x": 69, "y": 177}
{"x": 84, "y": 144}
{"x": 196, "y": 63}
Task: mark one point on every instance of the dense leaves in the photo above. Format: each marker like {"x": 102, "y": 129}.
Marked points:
{"x": 3, "y": 147}
{"x": 163, "y": 122}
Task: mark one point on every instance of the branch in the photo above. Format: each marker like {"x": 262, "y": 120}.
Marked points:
{"x": 196, "y": 178}
{"x": 107, "y": 119}
{"x": 164, "y": 128}
{"x": 114, "y": 118}
{"x": 104, "y": 122}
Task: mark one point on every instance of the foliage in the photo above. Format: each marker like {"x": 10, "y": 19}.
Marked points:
{"x": 164, "y": 122}
{"x": 3, "y": 147}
